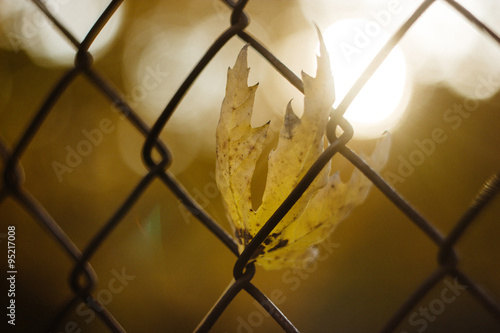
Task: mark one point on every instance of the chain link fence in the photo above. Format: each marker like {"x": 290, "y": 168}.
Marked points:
{"x": 157, "y": 159}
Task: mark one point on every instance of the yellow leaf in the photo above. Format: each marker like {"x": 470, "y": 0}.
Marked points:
{"x": 323, "y": 205}
{"x": 238, "y": 144}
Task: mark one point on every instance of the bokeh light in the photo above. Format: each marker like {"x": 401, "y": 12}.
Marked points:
{"x": 443, "y": 47}
{"x": 28, "y": 29}
{"x": 352, "y": 44}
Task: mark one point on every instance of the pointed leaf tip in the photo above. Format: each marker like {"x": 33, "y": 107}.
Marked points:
{"x": 322, "y": 46}
{"x": 241, "y": 63}
{"x": 242, "y": 56}
{"x": 291, "y": 120}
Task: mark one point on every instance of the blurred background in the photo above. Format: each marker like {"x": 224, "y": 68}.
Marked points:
{"x": 437, "y": 94}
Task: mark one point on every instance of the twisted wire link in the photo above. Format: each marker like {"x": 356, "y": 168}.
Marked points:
{"x": 244, "y": 269}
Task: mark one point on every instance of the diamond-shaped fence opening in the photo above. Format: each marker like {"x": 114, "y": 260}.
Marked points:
{"x": 111, "y": 219}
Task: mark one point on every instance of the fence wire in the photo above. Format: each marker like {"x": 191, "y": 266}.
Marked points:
{"x": 83, "y": 278}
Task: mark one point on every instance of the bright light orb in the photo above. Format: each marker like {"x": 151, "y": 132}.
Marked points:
{"x": 30, "y": 30}
{"x": 352, "y": 44}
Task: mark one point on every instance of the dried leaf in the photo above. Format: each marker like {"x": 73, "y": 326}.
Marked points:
{"x": 238, "y": 144}
{"x": 324, "y": 204}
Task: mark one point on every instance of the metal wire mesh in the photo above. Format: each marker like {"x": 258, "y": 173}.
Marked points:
{"x": 83, "y": 278}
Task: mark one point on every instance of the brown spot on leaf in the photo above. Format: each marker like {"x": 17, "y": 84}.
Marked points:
{"x": 243, "y": 236}
{"x": 258, "y": 252}
{"x": 280, "y": 244}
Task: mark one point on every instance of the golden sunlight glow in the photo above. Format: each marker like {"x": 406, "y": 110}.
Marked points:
{"x": 444, "y": 47}
{"x": 44, "y": 43}
{"x": 352, "y": 44}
